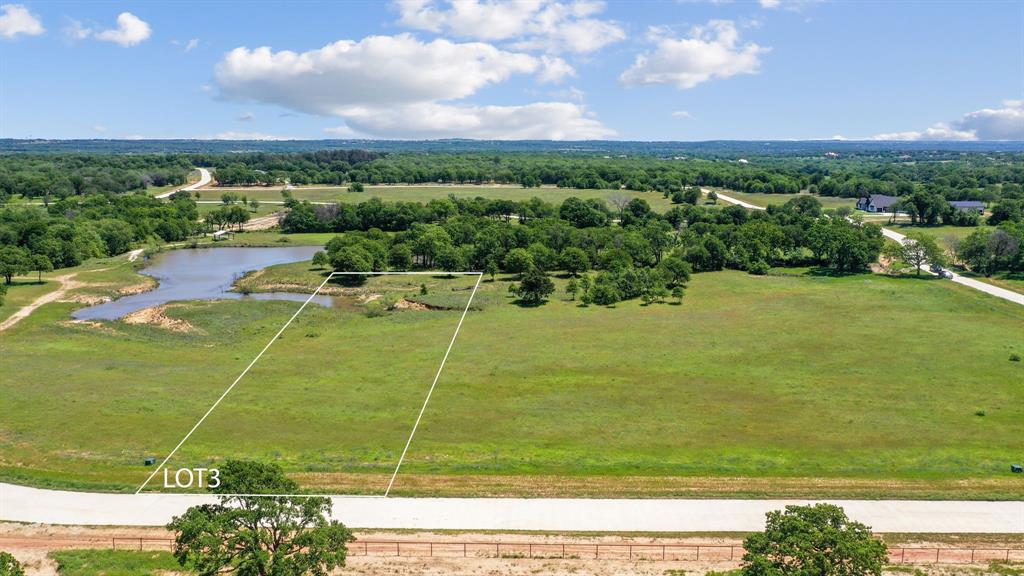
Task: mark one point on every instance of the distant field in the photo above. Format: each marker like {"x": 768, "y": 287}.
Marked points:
{"x": 776, "y": 385}
{"x": 779, "y": 199}
{"x": 424, "y": 194}
{"x": 942, "y": 234}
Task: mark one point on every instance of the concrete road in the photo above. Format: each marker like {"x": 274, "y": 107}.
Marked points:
{"x": 204, "y": 179}
{"x": 996, "y": 291}
{"x": 21, "y": 504}
{"x": 969, "y": 282}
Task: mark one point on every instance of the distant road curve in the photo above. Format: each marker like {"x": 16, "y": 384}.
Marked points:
{"x": 204, "y": 179}
{"x": 996, "y": 291}
{"x": 23, "y": 504}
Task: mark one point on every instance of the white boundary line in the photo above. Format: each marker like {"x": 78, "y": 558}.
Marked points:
{"x": 437, "y": 376}
{"x": 479, "y": 276}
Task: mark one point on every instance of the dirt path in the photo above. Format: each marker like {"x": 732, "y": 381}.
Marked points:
{"x": 67, "y": 282}
{"x": 204, "y": 179}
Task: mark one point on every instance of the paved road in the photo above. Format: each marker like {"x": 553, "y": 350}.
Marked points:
{"x": 21, "y": 504}
{"x": 996, "y": 291}
{"x": 204, "y": 179}
{"x": 969, "y": 282}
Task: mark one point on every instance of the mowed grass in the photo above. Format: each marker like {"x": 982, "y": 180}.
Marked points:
{"x": 766, "y": 200}
{"x": 760, "y": 377}
{"x": 115, "y": 563}
{"x": 423, "y": 194}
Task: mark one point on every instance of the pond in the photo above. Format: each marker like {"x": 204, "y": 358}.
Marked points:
{"x": 204, "y": 274}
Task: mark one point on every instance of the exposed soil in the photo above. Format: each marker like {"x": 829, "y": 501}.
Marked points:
{"x": 157, "y": 316}
{"x": 31, "y": 543}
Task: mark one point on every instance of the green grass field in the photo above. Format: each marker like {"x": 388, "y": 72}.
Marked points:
{"x": 424, "y": 194}
{"x": 780, "y": 199}
{"x": 778, "y": 385}
{"x": 115, "y": 563}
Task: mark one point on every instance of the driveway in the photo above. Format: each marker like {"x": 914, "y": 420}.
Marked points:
{"x": 22, "y": 504}
{"x": 996, "y": 291}
{"x": 204, "y": 179}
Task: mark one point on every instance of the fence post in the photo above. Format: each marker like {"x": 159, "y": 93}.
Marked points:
{"x": 563, "y": 551}
{"x": 431, "y": 549}
{"x": 698, "y": 552}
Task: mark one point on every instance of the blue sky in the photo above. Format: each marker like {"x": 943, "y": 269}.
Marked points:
{"x": 554, "y": 69}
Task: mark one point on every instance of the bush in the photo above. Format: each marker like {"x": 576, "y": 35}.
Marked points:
{"x": 9, "y": 565}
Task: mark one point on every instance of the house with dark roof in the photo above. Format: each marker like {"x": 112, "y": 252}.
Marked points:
{"x": 877, "y": 203}
{"x": 968, "y": 206}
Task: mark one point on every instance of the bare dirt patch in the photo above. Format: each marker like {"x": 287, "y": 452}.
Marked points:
{"x": 404, "y": 304}
{"x": 157, "y": 316}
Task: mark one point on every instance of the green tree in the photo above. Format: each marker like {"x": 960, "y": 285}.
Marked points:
{"x": 713, "y": 197}
{"x": 257, "y": 535}
{"x": 40, "y": 263}
{"x": 572, "y": 288}
{"x": 678, "y": 292}
{"x": 677, "y": 270}
{"x": 400, "y": 257}
{"x": 816, "y": 540}
{"x": 535, "y": 287}
{"x": 14, "y": 261}
{"x": 575, "y": 261}
{"x": 518, "y": 260}
{"x": 919, "y": 250}
{"x": 320, "y": 259}
{"x": 491, "y": 268}
{"x": 356, "y": 187}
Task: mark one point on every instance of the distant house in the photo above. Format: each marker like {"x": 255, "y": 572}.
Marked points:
{"x": 877, "y": 203}
{"x": 969, "y": 206}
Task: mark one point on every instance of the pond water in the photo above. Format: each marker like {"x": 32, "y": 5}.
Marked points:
{"x": 204, "y": 274}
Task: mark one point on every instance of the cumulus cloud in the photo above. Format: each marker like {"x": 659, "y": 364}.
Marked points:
{"x": 16, "y": 20}
{"x": 554, "y": 69}
{"x": 534, "y": 24}
{"x": 402, "y": 87}
{"x": 711, "y": 51}
{"x": 536, "y": 121}
{"x": 191, "y": 44}
{"x": 1005, "y": 123}
{"x": 131, "y": 30}
{"x": 377, "y": 70}
{"x": 681, "y": 114}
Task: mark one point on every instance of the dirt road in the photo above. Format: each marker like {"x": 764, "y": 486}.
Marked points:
{"x": 67, "y": 282}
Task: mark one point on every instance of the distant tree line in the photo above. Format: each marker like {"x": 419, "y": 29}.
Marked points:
{"x": 58, "y": 176}
{"x": 634, "y": 253}
{"x": 70, "y": 231}
{"x": 965, "y": 176}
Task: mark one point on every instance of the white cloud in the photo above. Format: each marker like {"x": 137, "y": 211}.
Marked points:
{"x": 342, "y": 131}
{"x": 681, "y": 114}
{"x": 131, "y": 30}
{"x": 537, "y": 121}
{"x": 99, "y": 128}
{"x": 770, "y": 3}
{"x": 75, "y": 31}
{"x": 712, "y": 51}
{"x": 1006, "y": 123}
{"x": 401, "y": 87}
{"x": 377, "y": 70}
{"x": 16, "y": 19}
{"x": 232, "y": 135}
{"x": 535, "y": 24}
{"x": 571, "y": 93}
{"x": 554, "y": 69}
{"x": 191, "y": 45}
